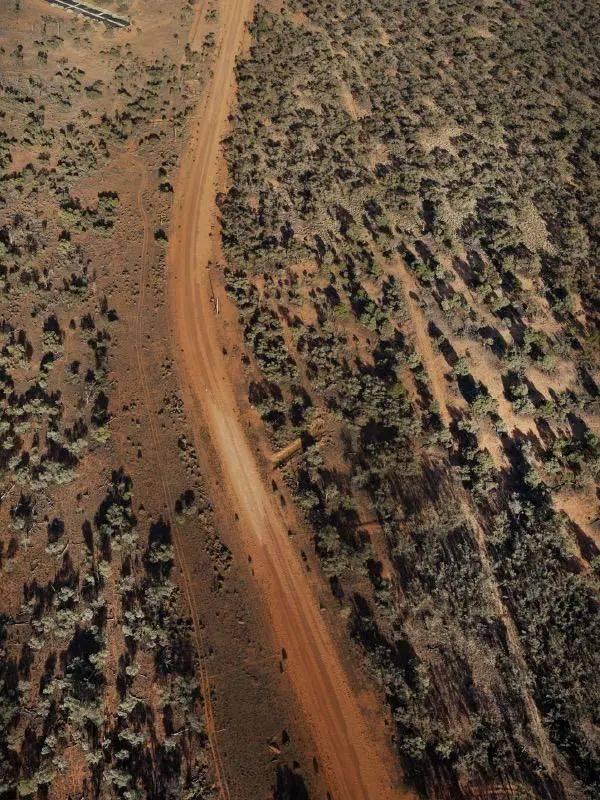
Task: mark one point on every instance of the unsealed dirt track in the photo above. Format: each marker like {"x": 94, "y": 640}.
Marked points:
{"x": 218, "y": 766}
{"x": 355, "y": 767}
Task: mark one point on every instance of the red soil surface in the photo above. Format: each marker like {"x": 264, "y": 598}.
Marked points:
{"x": 355, "y": 767}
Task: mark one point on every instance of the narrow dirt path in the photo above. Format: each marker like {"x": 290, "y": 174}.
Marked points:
{"x": 355, "y": 768}
{"x": 203, "y": 678}
{"x": 432, "y": 361}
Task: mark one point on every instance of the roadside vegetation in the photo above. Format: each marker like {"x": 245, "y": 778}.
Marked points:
{"x": 410, "y": 236}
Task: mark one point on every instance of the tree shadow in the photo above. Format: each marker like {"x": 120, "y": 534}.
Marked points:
{"x": 289, "y": 785}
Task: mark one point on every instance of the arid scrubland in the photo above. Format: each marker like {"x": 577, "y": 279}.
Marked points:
{"x": 408, "y": 231}
{"x": 99, "y": 689}
{"x": 410, "y": 235}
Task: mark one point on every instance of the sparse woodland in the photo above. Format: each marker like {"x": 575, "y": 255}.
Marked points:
{"x": 411, "y": 239}
{"x": 99, "y": 692}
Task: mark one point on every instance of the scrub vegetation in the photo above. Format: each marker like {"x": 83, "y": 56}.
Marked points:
{"x": 410, "y": 234}
{"x": 406, "y": 257}
{"x": 99, "y": 689}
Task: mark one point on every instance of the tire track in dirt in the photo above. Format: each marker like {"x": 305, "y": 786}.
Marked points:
{"x": 218, "y": 766}
{"x": 434, "y": 367}
{"x": 431, "y": 360}
{"x": 355, "y": 768}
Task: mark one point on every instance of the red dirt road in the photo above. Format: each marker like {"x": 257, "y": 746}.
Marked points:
{"x": 355, "y": 767}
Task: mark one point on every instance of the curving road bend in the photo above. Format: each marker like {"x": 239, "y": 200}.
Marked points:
{"x": 355, "y": 767}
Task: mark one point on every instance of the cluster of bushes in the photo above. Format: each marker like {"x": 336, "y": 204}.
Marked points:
{"x": 98, "y": 668}
{"x": 151, "y": 620}
{"x": 450, "y": 144}
{"x": 68, "y": 619}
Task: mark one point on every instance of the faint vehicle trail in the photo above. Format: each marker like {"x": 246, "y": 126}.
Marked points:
{"x": 356, "y": 768}
{"x": 219, "y": 769}
{"x": 434, "y": 367}
{"x": 432, "y": 361}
